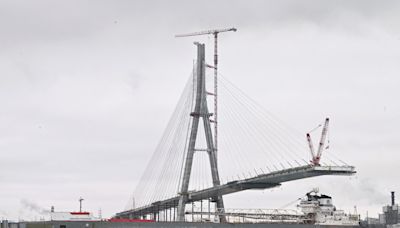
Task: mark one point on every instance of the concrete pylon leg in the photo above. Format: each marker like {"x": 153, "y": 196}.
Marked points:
{"x": 200, "y": 111}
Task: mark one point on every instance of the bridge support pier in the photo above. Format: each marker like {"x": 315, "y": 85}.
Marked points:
{"x": 200, "y": 111}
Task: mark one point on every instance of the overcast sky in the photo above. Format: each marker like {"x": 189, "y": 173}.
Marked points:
{"x": 87, "y": 87}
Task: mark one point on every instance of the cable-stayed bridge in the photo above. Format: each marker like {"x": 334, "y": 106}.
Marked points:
{"x": 256, "y": 151}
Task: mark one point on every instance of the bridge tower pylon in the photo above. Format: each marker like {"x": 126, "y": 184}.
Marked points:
{"x": 200, "y": 111}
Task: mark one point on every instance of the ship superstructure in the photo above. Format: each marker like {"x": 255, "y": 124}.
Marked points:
{"x": 318, "y": 209}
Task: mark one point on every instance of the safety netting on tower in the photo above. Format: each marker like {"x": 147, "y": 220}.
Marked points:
{"x": 252, "y": 141}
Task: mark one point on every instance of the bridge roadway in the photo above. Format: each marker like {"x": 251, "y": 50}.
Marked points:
{"x": 262, "y": 181}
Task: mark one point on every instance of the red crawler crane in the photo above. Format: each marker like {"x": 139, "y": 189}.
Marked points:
{"x": 317, "y": 157}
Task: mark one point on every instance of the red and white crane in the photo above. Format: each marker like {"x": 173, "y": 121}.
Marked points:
{"x": 215, "y": 67}
{"x": 317, "y": 157}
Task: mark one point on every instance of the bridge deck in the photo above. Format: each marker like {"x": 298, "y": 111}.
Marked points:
{"x": 262, "y": 181}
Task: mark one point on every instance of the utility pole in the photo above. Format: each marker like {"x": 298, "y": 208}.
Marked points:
{"x": 215, "y": 67}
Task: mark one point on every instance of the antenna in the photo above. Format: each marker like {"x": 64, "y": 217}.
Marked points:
{"x": 80, "y": 204}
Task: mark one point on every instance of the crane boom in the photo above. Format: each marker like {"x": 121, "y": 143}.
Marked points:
{"x": 310, "y": 144}
{"x": 214, "y": 31}
{"x": 323, "y": 137}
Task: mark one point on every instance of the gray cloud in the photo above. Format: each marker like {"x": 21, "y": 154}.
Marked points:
{"x": 86, "y": 88}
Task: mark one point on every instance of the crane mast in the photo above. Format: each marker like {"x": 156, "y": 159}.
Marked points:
{"x": 310, "y": 145}
{"x": 323, "y": 138}
{"x": 215, "y": 67}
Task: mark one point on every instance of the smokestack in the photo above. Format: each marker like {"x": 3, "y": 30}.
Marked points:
{"x": 393, "y": 203}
